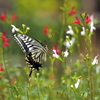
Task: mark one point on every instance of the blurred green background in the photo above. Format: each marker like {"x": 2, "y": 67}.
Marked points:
{"x": 38, "y": 13}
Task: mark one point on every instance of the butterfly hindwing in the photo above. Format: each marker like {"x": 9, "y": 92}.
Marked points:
{"x": 34, "y": 65}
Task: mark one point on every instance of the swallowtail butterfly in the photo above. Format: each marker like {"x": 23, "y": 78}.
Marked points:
{"x": 34, "y": 50}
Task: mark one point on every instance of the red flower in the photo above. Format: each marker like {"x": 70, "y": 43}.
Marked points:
{"x": 14, "y": 17}
{"x": 6, "y": 41}
{"x": 88, "y": 19}
{"x": 2, "y": 68}
{"x": 55, "y": 47}
{"x": 73, "y": 11}
{"x": 4, "y": 36}
{"x": 77, "y": 20}
{"x": 46, "y": 30}
{"x": 3, "y": 16}
{"x": 6, "y": 44}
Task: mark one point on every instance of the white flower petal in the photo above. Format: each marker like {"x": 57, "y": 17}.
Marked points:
{"x": 95, "y": 61}
{"x": 14, "y": 28}
{"x": 70, "y": 31}
{"x": 97, "y": 69}
{"x": 92, "y": 24}
{"x": 69, "y": 44}
{"x": 77, "y": 83}
{"x": 83, "y": 32}
{"x": 55, "y": 55}
{"x": 66, "y": 53}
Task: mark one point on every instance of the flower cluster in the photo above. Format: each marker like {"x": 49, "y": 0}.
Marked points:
{"x": 69, "y": 42}
{"x": 55, "y": 47}
{"x": 86, "y": 23}
{"x": 5, "y": 40}
{"x": 86, "y": 17}
{"x": 3, "y": 16}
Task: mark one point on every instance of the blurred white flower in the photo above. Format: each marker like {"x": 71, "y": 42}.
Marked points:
{"x": 77, "y": 83}
{"x": 97, "y": 69}
{"x": 95, "y": 61}
{"x": 68, "y": 44}
{"x": 14, "y": 28}
{"x": 70, "y": 31}
{"x": 55, "y": 55}
{"x": 83, "y": 32}
{"x": 92, "y": 24}
{"x": 66, "y": 53}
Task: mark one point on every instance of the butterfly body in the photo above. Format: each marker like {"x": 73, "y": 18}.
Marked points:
{"x": 34, "y": 50}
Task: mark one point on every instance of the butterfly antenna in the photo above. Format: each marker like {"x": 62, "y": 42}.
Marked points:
{"x": 49, "y": 39}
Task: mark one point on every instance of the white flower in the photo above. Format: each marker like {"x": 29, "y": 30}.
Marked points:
{"x": 66, "y": 53}
{"x": 83, "y": 32}
{"x": 95, "y": 61}
{"x": 68, "y": 44}
{"x": 77, "y": 83}
{"x": 97, "y": 69}
{"x": 92, "y": 24}
{"x": 70, "y": 31}
{"x": 55, "y": 55}
{"x": 14, "y": 28}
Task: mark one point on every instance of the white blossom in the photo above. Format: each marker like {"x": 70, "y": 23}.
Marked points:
{"x": 92, "y": 24}
{"x": 70, "y": 31}
{"x": 95, "y": 61}
{"x": 55, "y": 55}
{"x": 66, "y": 53}
{"x": 83, "y": 31}
{"x": 68, "y": 44}
{"x": 97, "y": 69}
{"x": 77, "y": 83}
{"x": 14, "y": 28}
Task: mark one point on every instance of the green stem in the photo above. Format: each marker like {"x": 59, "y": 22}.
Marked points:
{"x": 4, "y": 64}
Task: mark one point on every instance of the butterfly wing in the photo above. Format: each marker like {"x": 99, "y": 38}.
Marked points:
{"x": 34, "y": 65}
{"x": 27, "y": 43}
{"x": 34, "y": 49}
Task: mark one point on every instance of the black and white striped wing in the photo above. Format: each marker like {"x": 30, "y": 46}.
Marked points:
{"x": 27, "y": 43}
{"x": 34, "y": 65}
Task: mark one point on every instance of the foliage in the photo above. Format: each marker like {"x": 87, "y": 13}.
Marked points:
{"x": 68, "y": 74}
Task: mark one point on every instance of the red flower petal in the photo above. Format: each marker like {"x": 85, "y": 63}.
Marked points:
{"x": 55, "y": 47}
{"x": 4, "y": 36}
{"x": 77, "y": 20}
{"x": 72, "y": 12}
{"x": 88, "y": 19}
{"x": 14, "y": 17}
{"x": 3, "y": 16}
{"x": 46, "y": 30}
{"x": 2, "y": 68}
{"x": 6, "y": 44}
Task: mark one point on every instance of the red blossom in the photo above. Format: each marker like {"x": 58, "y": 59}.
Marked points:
{"x": 3, "y": 16}
{"x": 4, "y": 36}
{"x": 6, "y": 44}
{"x": 46, "y": 30}
{"x": 2, "y": 68}
{"x": 88, "y": 19}
{"x": 77, "y": 20}
{"x": 73, "y": 11}
{"x": 6, "y": 41}
{"x": 55, "y": 47}
{"x": 14, "y": 17}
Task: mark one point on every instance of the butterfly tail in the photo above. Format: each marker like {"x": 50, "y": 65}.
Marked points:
{"x": 30, "y": 73}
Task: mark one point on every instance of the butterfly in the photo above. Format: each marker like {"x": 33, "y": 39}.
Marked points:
{"x": 34, "y": 50}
